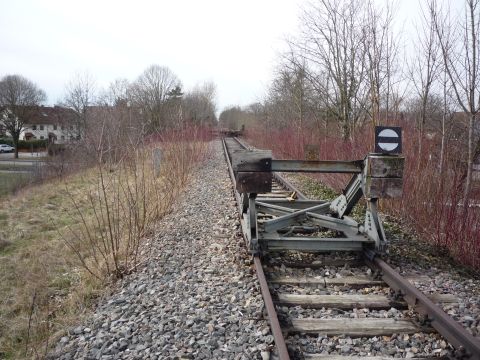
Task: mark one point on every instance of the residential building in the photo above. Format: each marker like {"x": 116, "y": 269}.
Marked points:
{"x": 55, "y": 123}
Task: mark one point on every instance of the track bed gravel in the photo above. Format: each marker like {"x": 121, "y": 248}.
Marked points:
{"x": 195, "y": 296}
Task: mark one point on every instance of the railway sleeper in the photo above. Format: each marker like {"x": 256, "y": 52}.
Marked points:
{"x": 366, "y": 327}
{"x": 340, "y": 357}
{"x": 349, "y": 301}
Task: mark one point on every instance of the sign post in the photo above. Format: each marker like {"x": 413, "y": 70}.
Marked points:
{"x": 388, "y": 139}
{"x": 157, "y": 160}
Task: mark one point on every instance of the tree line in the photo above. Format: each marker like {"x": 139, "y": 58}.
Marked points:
{"x": 155, "y": 101}
{"x": 348, "y": 69}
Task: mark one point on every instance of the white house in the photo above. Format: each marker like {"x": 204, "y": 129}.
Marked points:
{"x": 57, "y": 124}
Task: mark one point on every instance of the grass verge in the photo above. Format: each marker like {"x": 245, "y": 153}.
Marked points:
{"x": 63, "y": 241}
{"x": 10, "y": 182}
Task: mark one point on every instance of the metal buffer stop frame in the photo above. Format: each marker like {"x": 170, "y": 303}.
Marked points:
{"x": 270, "y": 223}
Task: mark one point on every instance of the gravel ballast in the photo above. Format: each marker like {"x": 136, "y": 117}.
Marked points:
{"x": 195, "y": 296}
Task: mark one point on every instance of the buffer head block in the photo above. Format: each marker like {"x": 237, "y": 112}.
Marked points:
{"x": 383, "y": 176}
{"x": 253, "y": 170}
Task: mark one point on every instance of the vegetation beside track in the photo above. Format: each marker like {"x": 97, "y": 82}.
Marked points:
{"x": 63, "y": 241}
{"x": 10, "y": 182}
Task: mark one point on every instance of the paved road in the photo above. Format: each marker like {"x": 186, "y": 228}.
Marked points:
{"x": 23, "y": 156}
{"x": 26, "y": 163}
{"x": 14, "y": 172}
{"x": 21, "y": 162}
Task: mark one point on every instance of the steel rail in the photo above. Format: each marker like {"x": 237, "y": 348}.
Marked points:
{"x": 267, "y": 297}
{"x": 232, "y": 177}
{"x": 466, "y": 344}
{"x": 272, "y": 313}
{"x": 288, "y": 185}
{"x": 245, "y": 145}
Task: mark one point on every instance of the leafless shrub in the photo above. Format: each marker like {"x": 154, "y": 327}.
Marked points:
{"x": 126, "y": 199}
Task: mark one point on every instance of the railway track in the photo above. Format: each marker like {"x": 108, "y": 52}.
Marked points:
{"x": 326, "y": 289}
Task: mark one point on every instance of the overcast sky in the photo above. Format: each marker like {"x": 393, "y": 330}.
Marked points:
{"x": 232, "y": 43}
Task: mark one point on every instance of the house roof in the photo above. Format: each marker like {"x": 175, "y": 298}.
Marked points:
{"x": 48, "y": 115}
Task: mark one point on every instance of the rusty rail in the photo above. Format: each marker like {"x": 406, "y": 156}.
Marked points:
{"x": 267, "y": 297}
{"x": 466, "y": 345}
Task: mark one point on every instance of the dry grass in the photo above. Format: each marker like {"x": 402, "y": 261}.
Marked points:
{"x": 37, "y": 265}
{"x": 10, "y": 182}
{"x": 59, "y": 245}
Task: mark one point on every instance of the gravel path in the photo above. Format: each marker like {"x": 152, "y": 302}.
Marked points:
{"x": 196, "y": 297}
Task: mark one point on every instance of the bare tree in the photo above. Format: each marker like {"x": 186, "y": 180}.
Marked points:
{"x": 381, "y": 48}
{"x": 424, "y": 70}
{"x": 150, "y": 94}
{"x": 199, "y": 104}
{"x": 80, "y": 94}
{"x": 333, "y": 41}
{"x": 291, "y": 98}
{"x": 447, "y": 117}
{"x": 234, "y": 118}
{"x": 18, "y": 98}
{"x": 114, "y": 125}
{"x": 174, "y": 107}
{"x": 118, "y": 92}
{"x": 460, "y": 46}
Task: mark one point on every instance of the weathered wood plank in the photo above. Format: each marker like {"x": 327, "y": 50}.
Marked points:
{"x": 350, "y": 301}
{"x": 335, "y": 301}
{"x": 273, "y": 242}
{"x": 385, "y": 166}
{"x": 253, "y": 182}
{"x": 353, "y": 327}
{"x": 324, "y": 281}
{"x": 443, "y": 298}
{"x": 252, "y": 160}
{"x": 353, "y": 281}
{"x": 383, "y": 188}
{"x": 340, "y": 357}
{"x": 325, "y": 262}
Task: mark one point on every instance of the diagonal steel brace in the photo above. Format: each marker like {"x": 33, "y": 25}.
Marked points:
{"x": 286, "y": 220}
{"x": 344, "y": 203}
